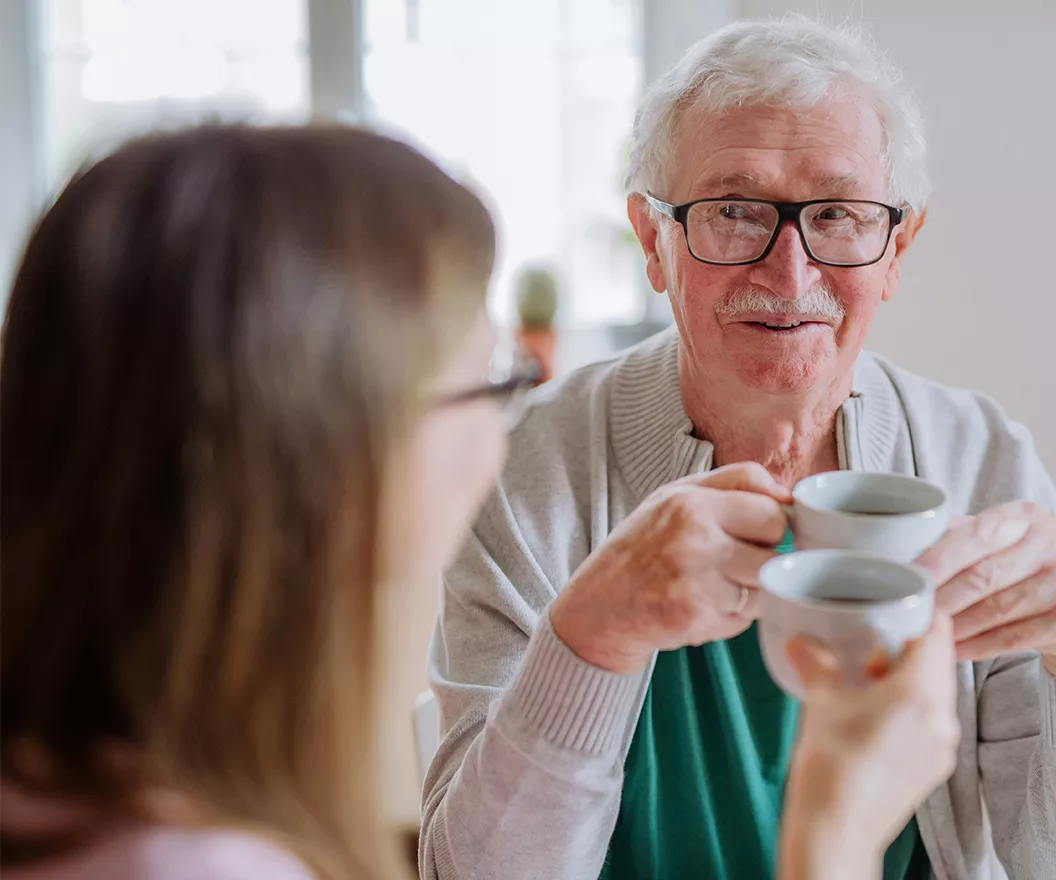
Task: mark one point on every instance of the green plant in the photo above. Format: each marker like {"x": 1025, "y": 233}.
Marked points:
{"x": 537, "y": 297}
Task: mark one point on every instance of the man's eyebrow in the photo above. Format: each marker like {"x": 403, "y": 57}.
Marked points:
{"x": 719, "y": 185}
{"x": 737, "y": 181}
{"x": 839, "y": 184}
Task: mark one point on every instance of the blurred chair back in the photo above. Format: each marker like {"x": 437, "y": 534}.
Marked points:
{"x": 426, "y": 721}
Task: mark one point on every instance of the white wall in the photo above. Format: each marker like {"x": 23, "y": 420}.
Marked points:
{"x": 978, "y": 303}
{"x": 669, "y": 27}
{"x": 20, "y": 188}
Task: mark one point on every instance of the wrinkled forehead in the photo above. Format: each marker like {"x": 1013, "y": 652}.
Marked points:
{"x": 833, "y": 149}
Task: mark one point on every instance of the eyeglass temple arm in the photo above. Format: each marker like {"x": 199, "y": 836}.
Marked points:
{"x": 662, "y": 207}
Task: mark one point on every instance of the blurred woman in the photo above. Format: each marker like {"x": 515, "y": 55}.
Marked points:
{"x": 245, "y": 387}
{"x": 249, "y": 394}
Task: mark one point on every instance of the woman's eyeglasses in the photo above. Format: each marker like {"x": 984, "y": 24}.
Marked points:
{"x": 511, "y": 376}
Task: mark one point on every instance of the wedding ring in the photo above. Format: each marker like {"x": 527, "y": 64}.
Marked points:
{"x": 742, "y": 603}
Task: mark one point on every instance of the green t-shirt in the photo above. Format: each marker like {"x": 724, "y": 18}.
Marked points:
{"x": 706, "y": 772}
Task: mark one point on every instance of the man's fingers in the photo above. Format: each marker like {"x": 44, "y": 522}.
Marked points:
{"x": 994, "y": 573}
{"x": 740, "y": 562}
{"x": 753, "y": 518}
{"x": 976, "y": 538}
{"x": 747, "y": 476}
{"x": 1022, "y": 635}
{"x": 1026, "y": 598}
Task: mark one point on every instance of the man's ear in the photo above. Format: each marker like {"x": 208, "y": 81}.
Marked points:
{"x": 647, "y": 228}
{"x": 904, "y": 236}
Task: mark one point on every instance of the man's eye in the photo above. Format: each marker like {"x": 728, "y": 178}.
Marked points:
{"x": 832, "y": 213}
{"x": 747, "y": 211}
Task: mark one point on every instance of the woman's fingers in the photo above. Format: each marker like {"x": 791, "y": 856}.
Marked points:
{"x": 815, "y": 664}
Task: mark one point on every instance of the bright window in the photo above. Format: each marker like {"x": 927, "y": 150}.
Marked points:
{"x": 113, "y": 68}
{"x": 532, "y": 103}
{"x": 529, "y": 102}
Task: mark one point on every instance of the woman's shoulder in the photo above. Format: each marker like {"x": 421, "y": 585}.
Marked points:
{"x": 174, "y": 854}
{"x": 169, "y": 853}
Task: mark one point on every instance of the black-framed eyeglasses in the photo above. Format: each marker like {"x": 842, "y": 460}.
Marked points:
{"x": 734, "y": 231}
{"x": 511, "y": 376}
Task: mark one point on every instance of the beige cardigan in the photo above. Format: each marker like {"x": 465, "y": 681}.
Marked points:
{"x": 527, "y": 779}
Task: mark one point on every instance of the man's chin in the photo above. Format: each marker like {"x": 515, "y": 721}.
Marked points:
{"x": 782, "y": 376}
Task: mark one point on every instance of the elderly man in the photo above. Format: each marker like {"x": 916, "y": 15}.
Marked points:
{"x": 604, "y": 706}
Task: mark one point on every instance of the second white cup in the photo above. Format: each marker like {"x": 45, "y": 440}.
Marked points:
{"x": 852, "y": 603}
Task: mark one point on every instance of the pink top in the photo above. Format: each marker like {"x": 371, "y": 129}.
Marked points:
{"x": 144, "y": 852}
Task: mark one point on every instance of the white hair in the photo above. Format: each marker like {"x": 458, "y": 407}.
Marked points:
{"x": 793, "y": 62}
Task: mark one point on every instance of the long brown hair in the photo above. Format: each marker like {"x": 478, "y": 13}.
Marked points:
{"x": 214, "y": 342}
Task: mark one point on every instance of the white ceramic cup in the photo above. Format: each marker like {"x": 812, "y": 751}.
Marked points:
{"x": 882, "y": 514}
{"x": 852, "y": 602}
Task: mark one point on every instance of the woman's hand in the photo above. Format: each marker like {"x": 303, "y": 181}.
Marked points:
{"x": 866, "y": 757}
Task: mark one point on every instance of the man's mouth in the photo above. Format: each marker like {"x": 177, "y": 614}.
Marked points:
{"x": 778, "y": 322}
{"x": 786, "y": 325}
{"x": 780, "y": 326}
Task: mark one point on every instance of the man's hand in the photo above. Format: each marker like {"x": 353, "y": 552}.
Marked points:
{"x": 681, "y": 570}
{"x": 996, "y": 576}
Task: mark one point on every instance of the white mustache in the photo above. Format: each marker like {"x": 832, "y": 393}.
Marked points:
{"x": 819, "y": 302}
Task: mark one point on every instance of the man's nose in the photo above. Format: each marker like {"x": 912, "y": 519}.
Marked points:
{"x": 787, "y": 270}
